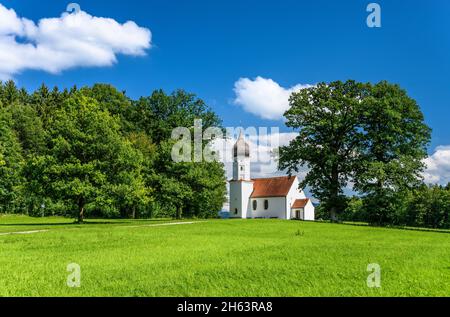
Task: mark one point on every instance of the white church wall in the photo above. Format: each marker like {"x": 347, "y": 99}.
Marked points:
{"x": 247, "y": 190}
{"x": 306, "y": 213}
{"x": 309, "y": 211}
{"x": 294, "y": 194}
{"x": 235, "y": 199}
{"x": 276, "y": 208}
{"x": 240, "y": 192}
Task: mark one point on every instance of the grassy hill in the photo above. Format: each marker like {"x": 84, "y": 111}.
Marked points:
{"x": 218, "y": 258}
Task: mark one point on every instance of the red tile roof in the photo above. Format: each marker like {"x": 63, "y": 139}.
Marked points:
{"x": 272, "y": 187}
{"x": 300, "y": 203}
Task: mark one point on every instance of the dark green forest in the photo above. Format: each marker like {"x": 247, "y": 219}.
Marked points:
{"x": 94, "y": 152}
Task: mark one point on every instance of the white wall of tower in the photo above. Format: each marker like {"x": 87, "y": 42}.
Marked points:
{"x": 241, "y": 169}
{"x": 240, "y": 192}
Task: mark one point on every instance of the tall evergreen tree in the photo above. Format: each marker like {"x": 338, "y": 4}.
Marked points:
{"x": 11, "y": 162}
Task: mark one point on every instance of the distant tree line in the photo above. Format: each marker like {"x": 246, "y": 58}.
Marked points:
{"x": 96, "y": 152}
{"x": 425, "y": 206}
{"x": 368, "y": 137}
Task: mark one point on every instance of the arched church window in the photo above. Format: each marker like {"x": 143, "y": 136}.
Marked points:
{"x": 235, "y": 211}
{"x": 255, "y": 204}
{"x": 266, "y": 204}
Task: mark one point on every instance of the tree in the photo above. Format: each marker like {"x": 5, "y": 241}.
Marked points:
{"x": 158, "y": 114}
{"x": 395, "y": 142}
{"x": 28, "y": 127}
{"x": 188, "y": 188}
{"x": 46, "y": 103}
{"x": 9, "y": 93}
{"x": 195, "y": 189}
{"x": 429, "y": 207}
{"x": 327, "y": 119}
{"x": 95, "y": 151}
{"x": 144, "y": 145}
{"x": 109, "y": 98}
{"x": 11, "y": 162}
{"x": 88, "y": 160}
{"x": 355, "y": 210}
{"x": 208, "y": 185}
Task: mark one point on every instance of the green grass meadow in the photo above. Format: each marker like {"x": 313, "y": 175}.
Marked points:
{"x": 219, "y": 258}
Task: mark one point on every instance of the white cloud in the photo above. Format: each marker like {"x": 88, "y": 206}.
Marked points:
{"x": 264, "y": 97}
{"x": 72, "y": 40}
{"x": 438, "y": 166}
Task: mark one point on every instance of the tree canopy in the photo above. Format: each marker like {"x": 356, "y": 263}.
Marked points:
{"x": 96, "y": 152}
{"x": 394, "y": 145}
{"x": 371, "y": 136}
{"x": 326, "y": 117}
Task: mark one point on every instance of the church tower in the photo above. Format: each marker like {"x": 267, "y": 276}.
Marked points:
{"x": 241, "y": 160}
{"x": 241, "y": 186}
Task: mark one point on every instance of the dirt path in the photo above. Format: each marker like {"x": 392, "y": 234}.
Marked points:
{"x": 136, "y": 226}
{"x": 22, "y": 232}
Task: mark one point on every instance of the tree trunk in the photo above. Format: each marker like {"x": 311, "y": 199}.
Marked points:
{"x": 179, "y": 212}
{"x": 80, "y": 210}
{"x": 134, "y": 212}
{"x": 334, "y": 193}
{"x": 333, "y": 214}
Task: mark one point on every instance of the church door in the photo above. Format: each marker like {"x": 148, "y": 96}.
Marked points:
{"x": 300, "y": 214}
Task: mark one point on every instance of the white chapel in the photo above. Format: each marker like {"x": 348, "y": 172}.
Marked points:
{"x": 276, "y": 197}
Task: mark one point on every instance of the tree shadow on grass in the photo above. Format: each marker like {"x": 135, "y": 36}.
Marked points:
{"x": 394, "y": 227}
{"x": 57, "y": 224}
{"x": 76, "y": 223}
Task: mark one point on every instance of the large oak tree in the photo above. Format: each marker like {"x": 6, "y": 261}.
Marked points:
{"x": 326, "y": 118}
{"x": 395, "y": 144}
{"x": 371, "y": 135}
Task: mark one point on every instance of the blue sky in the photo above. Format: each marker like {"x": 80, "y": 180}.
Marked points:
{"x": 205, "y": 47}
